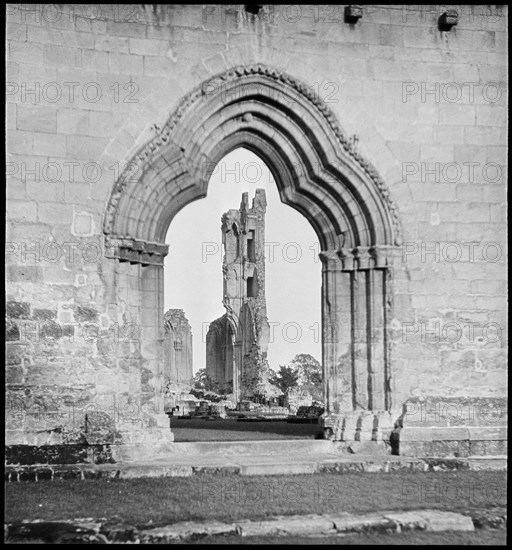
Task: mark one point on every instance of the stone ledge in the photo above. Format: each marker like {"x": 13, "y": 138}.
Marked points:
{"x": 454, "y": 433}
{"x": 113, "y": 530}
{"x": 452, "y": 448}
{"x": 323, "y": 464}
{"x": 450, "y": 412}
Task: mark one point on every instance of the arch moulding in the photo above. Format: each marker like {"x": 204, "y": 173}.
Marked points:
{"x": 318, "y": 171}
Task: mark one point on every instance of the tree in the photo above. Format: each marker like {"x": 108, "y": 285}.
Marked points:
{"x": 308, "y": 369}
{"x": 309, "y": 372}
{"x": 286, "y": 378}
{"x": 203, "y": 382}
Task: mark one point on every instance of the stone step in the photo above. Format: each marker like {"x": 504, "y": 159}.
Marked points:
{"x": 276, "y": 447}
{"x": 224, "y": 449}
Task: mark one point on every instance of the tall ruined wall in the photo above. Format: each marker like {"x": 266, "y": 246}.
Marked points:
{"x": 241, "y": 356}
{"x": 86, "y": 85}
{"x": 178, "y": 347}
{"x": 219, "y": 351}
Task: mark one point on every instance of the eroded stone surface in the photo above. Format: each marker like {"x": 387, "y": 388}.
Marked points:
{"x": 178, "y": 352}
{"x": 237, "y": 343}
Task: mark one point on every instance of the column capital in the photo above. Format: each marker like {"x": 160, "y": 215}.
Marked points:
{"x": 363, "y": 258}
{"x": 359, "y": 258}
{"x": 135, "y": 251}
{"x": 329, "y": 258}
{"x": 347, "y": 258}
{"x": 383, "y": 255}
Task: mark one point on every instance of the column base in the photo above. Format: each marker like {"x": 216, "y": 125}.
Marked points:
{"x": 363, "y": 431}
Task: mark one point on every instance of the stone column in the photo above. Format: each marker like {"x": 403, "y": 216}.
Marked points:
{"x": 356, "y": 364}
{"x": 152, "y": 348}
{"x": 336, "y": 338}
{"x": 237, "y": 361}
{"x": 376, "y": 343}
{"x": 152, "y": 334}
{"x": 360, "y": 340}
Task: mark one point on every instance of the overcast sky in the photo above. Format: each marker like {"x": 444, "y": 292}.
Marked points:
{"x": 193, "y": 268}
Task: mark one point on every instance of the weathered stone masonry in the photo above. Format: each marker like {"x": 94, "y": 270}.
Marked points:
{"x": 94, "y": 183}
{"x": 178, "y": 348}
{"x": 237, "y": 342}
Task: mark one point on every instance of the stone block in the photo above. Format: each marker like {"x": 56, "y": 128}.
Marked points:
{"x": 278, "y": 469}
{"x": 25, "y": 52}
{"x": 147, "y": 46}
{"x": 469, "y": 193}
{"x": 464, "y": 115}
{"x": 112, "y": 44}
{"x": 49, "y": 144}
{"x": 482, "y": 135}
{"x": 487, "y": 433}
{"x": 126, "y": 29}
{"x": 25, "y": 273}
{"x": 83, "y": 147}
{"x": 83, "y": 224}
{"x": 450, "y": 135}
{"x": 484, "y": 40}
{"x": 96, "y": 60}
{"x": 54, "y": 213}
{"x": 22, "y": 210}
{"x": 421, "y": 37}
{"x": 159, "y": 66}
{"x": 16, "y": 31}
{"x": 19, "y": 142}
{"x": 36, "y": 118}
{"x": 72, "y": 121}
{"x": 125, "y": 64}
{"x": 431, "y": 520}
{"x": 490, "y": 115}
{"x": 59, "y": 56}
{"x": 187, "y": 529}
{"x": 494, "y": 194}
{"x": 496, "y": 447}
{"x": 215, "y": 64}
{"x": 14, "y": 375}
{"x": 302, "y": 525}
{"x": 44, "y": 191}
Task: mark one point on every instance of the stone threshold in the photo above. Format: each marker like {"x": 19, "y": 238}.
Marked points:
{"x": 114, "y": 531}
{"x": 249, "y": 466}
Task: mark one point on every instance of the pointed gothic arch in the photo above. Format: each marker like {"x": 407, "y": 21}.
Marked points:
{"x": 318, "y": 171}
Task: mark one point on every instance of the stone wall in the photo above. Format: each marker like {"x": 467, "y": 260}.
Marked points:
{"x": 88, "y": 85}
{"x": 178, "y": 348}
{"x": 219, "y": 352}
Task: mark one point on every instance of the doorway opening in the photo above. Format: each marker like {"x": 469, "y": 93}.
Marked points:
{"x": 215, "y": 282}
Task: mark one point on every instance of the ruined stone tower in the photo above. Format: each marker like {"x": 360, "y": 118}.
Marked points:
{"x": 237, "y": 342}
{"x": 178, "y": 347}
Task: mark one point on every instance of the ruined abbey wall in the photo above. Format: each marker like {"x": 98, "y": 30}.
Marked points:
{"x": 88, "y": 85}
{"x": 237, "y": 342}
{"x": 178, "y": 348}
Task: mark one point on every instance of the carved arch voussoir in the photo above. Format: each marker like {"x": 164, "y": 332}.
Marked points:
{"x": 167, "y": 139}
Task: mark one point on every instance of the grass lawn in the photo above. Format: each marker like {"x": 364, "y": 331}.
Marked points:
{"x": 231, "y": 497}
{"x": 497, "y": 537}
{"x": 196, "y": 429}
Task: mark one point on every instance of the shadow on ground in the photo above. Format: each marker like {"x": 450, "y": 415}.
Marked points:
{"x": 198, "y": 429}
